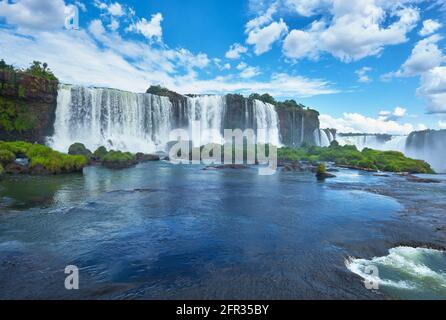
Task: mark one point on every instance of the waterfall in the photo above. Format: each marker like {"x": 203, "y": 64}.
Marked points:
{"x": 323, "y": 137}
{"x": 429, "y": 146}
{"x": 266, "y": 120}
{"x": 209, "y": 111}
{"x": 142, "y": 122}
{"x": 112, "y": 118}
{"x": 378, "y": 142}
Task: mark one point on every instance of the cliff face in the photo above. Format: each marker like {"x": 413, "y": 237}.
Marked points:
{"x": 27, "y": 106}
{"x": 296, "y": 124}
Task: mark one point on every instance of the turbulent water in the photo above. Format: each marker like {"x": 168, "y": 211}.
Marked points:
{"x": 406, "y": 272}
{"x": 429, "y": 146}
{"x": 142, "y": 122}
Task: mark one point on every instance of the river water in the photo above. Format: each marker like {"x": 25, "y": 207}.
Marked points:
{"x": 163, "y": 231}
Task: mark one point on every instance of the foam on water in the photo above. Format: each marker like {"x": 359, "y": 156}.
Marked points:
{"x": 406, "y": 272}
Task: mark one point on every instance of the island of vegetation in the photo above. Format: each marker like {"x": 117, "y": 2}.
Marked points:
{"x": 351, "y": 157}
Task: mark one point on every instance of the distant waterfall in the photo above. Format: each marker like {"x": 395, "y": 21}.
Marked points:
{"x": 141, "y": 122}
{"x": 378, "y": 142}
{"x": 429, "y": 146}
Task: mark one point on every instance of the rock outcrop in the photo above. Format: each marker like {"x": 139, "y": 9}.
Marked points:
{"x": 27, "y": 106}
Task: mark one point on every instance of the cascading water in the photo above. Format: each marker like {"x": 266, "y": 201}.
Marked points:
{"x": 323, "y": 137}
{"x": 268, "y": 123}
{"x": 429, "y": 146}
{"x": 141, "y": 122}
{"x": 378, "y": 142}
{"x": 112, "y": 118}
{"x": 209, "y": 112}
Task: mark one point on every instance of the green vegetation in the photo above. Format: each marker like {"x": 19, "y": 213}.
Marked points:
{"x": 287, "y": 104}
{"x": 159, "y": 91}
{"x": 100, "y": 153}
{"x": 1, "y": 170}
{"x": 368, "y": 159}
{"x": 79, "y": 149}
{"x": 14, "y": 116}
{"x": 6, "y": 157}
{"x": 52, "y": 161}
{"x": 41, "y": 70}
{"x": 321, "y": 169}
{"x": 117, "y": 159}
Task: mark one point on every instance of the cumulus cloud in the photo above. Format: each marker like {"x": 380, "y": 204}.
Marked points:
{"x": 442, "y": 124}
{"x": 433, "y": 88}
{"x": 307, "y": 8}
{"x": 235, "y": 51}
{"x": 355, "y": 30}
{"x": 34, "y": 14}
{"x": 362, "y": 74}
{"x": 262, "y": 31}
{"x": 114, "y": 9}
{"x": 429, "y": 27}
{"x": 425, "y": 56}
{"x": 394, "y": 115}
{"x": 99, "y": 58}
{"x": 150, "y": 29}
{"x": 358, "y": 123}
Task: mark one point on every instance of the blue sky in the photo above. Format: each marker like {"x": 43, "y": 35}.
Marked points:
{"x": 368, "y": 66}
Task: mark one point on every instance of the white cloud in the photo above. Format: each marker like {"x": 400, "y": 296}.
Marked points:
{"x": 263, "y": 38}
{"x": 249, "y": 72}
{"x": 306, "y": 8}
{"x": 429, "y": 27}
{"x": 357, "y": 29}
{"x": 442, "y": 124}
{"x": 242, "y": 65}
{"x": 114, "y": 9}
{"x": 425, "y": 56}
{"x": 150, "y": 29}
{"x": 358, "y": 123}
{"x": 262, "y": 31}
{"x": 235, "y": 51}
{"x": 114, "y": 25}
{"x": 394, "y": 115}
{"x": 81, "y": 6}
{"x": 134, "y": 65}
{"x": 433, "y": 88}
{"x": 96, "y": 28}
{"x": 34, "y": 14}
{"x": 362, "y": 74}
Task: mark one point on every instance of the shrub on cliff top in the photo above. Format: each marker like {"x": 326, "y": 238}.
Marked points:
{"x": 40, "y": 70}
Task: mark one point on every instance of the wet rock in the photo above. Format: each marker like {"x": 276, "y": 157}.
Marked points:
{"x": 15, "y": 168}
{"x": 78, "y": 149}
{"x": 415, "y": 179}
{"x": 141, "y": 157}
{"x": 40, "y": 170}
{"x": 227, "y": 166}
{"x": 321, "y": 176}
